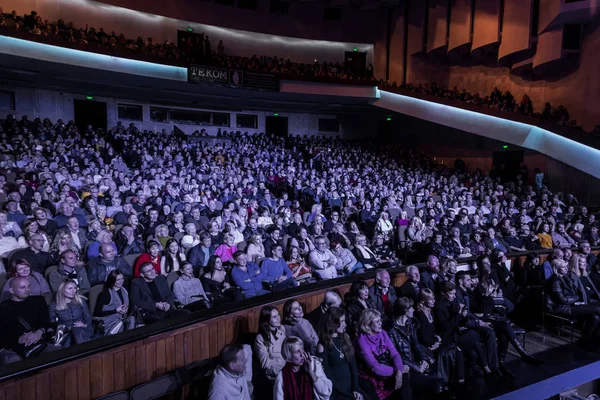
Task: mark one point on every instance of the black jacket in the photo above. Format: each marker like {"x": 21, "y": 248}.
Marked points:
{"x": 408, "y": 290}
{"x": 141, "y": 296}
{"x": 353, "y": 310}
{"x": 406, "y": 342}
{"x": 563, "y": 292}
{"x": 375, "y": 296}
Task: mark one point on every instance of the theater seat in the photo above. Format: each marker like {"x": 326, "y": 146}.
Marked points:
{"x": 156, "y": 388}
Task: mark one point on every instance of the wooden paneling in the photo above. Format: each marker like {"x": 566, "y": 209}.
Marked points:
{"x": 437, "y": 28}
{"x": 460, "y": 24}
{"x": 516, "y": 27}
{"x": 416, "y": 27}
{"x": 486, "y": 23}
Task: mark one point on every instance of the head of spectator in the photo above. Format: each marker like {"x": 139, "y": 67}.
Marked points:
{"x": 68, "y": 292}
{"x": 585, "y": 248}
{"x": 359, "y": 290}
{"x": 19, "y": 289}
{"x": 413, "y": 275}
{"x": 19, "y": 268}
{"x": 269, "y": 322}
{"x": 578, "y": 265}
{"x": 233, "y": 358}
{"x": 568, "y": 254}
{"x": 369, "y": 322}
{"x": 560, "y": 267}
{"x": 448, "y": 290}
{"x": 241, "y": 259}
{"x": 558, "y": 254}
{"x": 292, "y": 311}
{"x": 331, "y": 299}
{"x": 153, "y": 248}
{"x": 382, "y": 278}
{"x": 433, "y": 264}
{"x": 108, "y": 252}
{"x": 426, "y": 299}
{"x": 403, "y": 310}
{"x": 464, "y": 281}
{"x": 36, "y": 242}
{"x": 214, "y": 264}
{"x": 147, "y": 272}
{"x": 115, "y": 280}
{"x": 68, "y": 260}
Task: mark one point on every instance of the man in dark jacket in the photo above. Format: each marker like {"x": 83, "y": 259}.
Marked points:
{"x": 431, "y": 277}
{"x": 331, "y": 299}
{"x": 383, "y": 295}
{"x": 99, "y": 267}
{"x": 152, "y": 295}
{"x": 411, "y": 287}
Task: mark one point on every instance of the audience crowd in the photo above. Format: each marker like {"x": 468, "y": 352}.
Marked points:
{"x": 102, "y": 233}
{"x": 496, "y": 100}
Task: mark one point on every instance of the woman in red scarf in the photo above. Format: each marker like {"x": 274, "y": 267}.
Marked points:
{"x": 302, "y": 377}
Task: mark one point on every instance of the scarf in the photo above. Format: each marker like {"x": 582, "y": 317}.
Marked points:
{"x": 294, "y": 390}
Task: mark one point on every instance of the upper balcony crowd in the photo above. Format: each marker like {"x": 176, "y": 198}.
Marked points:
{"x": 199, "y": 49}
{"x": 153, "y": 226}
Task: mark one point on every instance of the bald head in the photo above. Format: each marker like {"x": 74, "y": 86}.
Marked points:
{"x": 331, "y": 299}
{"x": 19, "y": 288}
{"x": 107, "y": 251}
{"x": 433, "y": 264}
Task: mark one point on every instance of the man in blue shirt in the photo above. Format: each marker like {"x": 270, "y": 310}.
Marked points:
{"x": 247, "y": 276}
{"x": 276, "y": 271}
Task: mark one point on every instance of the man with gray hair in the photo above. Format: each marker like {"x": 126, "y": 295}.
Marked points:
{"x": 331, "y": 299}
{"x": 382, "y": 294}
{"x": 411, "y": 288}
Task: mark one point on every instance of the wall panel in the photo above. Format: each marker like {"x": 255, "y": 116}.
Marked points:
{"x": 416, "y": 27}
{"x": 437, "y": 28}
{"x": 398, "y": 21}
{"x": 486, "y": 23}
{"x": 460, "y": 24}
{"x": 516, "y": 27}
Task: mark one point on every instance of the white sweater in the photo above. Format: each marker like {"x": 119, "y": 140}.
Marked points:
{"x": 227, "y": 386}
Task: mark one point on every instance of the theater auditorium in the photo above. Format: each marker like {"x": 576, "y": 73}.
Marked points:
{"x": 299, "y": 199}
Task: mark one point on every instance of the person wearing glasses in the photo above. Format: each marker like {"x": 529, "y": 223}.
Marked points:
{"x": 322, "y": 260}
{"x": 151, "y": 294}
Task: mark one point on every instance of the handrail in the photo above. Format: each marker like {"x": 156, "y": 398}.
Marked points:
{"x": 46, "y": 360}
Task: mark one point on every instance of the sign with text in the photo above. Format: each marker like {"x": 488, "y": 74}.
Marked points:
{"x": 232, "y": 78}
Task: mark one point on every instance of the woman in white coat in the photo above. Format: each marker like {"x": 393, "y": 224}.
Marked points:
{"x": 302, "y": 377}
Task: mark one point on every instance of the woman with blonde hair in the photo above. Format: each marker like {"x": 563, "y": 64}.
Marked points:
{"x": 256, "y": 249}
{"x": 70, "y": 309}
{"x": 378, "y": 360}
{"x": 578, "y": 267}
{"x": 63, "y": 241}
{"x": 302, "y": 377}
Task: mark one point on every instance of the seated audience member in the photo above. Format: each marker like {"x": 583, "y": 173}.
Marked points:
{"x": 403, "y": 335}
{"x": 30, "y": 227}
{"x": 338, "y": 357}
{"x": 172, "y": 259}
{"x": 112, "y": 305}
{"x": 229, "y": 379}
{"x": 346, "y": 262}
{"x": 296, "y": 325}
{"x": 477, "y": 245}
{"x": 514, "y": 242}
{"x": 364, "y": 254}
{"x": 503, "y": 276}
{"x": 544, "y": 235}
{"x": 302, "y": 376}
{"x": 62, "y": 242}
{"x": 227, "y": 249}
{"x": 449, "y": 361}
{"x": 567, "y": 295}
{"x": 330, "y": 299}
{"x": 269, "y": 341}
{"x": 378, "y": 360}
{"x": 358, "y": 300}
{"x": 301, "y": 272}
{"x": 578, "y": 267}
{"x": 276, "y": 271}
{"x": 322, "y": 260}
{"x": 453, "y": 325}
{"x": 99, "y": 267}
{"x": 411, "y": 288}
{"x": 528, "y": 275}
{"x": 70, "y": 309}
{"x": 383, "y": 295}
{"x": 215, "y": 281}
{"x": 431, "y": 278}
{"x": 127, "y": 243}
{"x": 77, "y": 234}
{"x": 38, "y": 260}
{"x": 152, "y": 256}
{"x": 188, "y": 290}
{"x": 25, "y": 323}
{"x": 8, "y": 244}
{"x": 586, "y": 250}
{"x": 494, "y": 241}
{"x": 247, "y": 276}
{"x": 68, "y": 269}
{"x": 104, "y": 237}
{"x": 256, "y": 249}
{"x": 304, "y": 243}
{"x": 151, "y": 294}
{"x": 545, "y": 270}
{"x": 384, "y": 253}
{"x": 560, "y": 237}
{"x": 20, "y": 268}
{"x": 48, "y": 226}
{"x": 201, "y": 253}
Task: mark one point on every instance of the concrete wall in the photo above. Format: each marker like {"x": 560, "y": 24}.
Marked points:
{"x": 54, "y": 105}
{"x": 303, "y": 36}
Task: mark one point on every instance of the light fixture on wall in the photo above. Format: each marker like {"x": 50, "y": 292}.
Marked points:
{"x": 505, "y": 146}
{"x": 355, "y": 49}
{"x": 190, "y": 29}
{"x": 89, "y": 97}
{"x": 275, "y": 114}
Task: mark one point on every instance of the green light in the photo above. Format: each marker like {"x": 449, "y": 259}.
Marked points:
{"x": 89, "y": 97}
{"x": 355, "y": 49}
{"x": 275, "y": 114}
{"x": 190, "y": 29}
{"x": 505, "y": 146}
{"x": 389, "y": 118}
